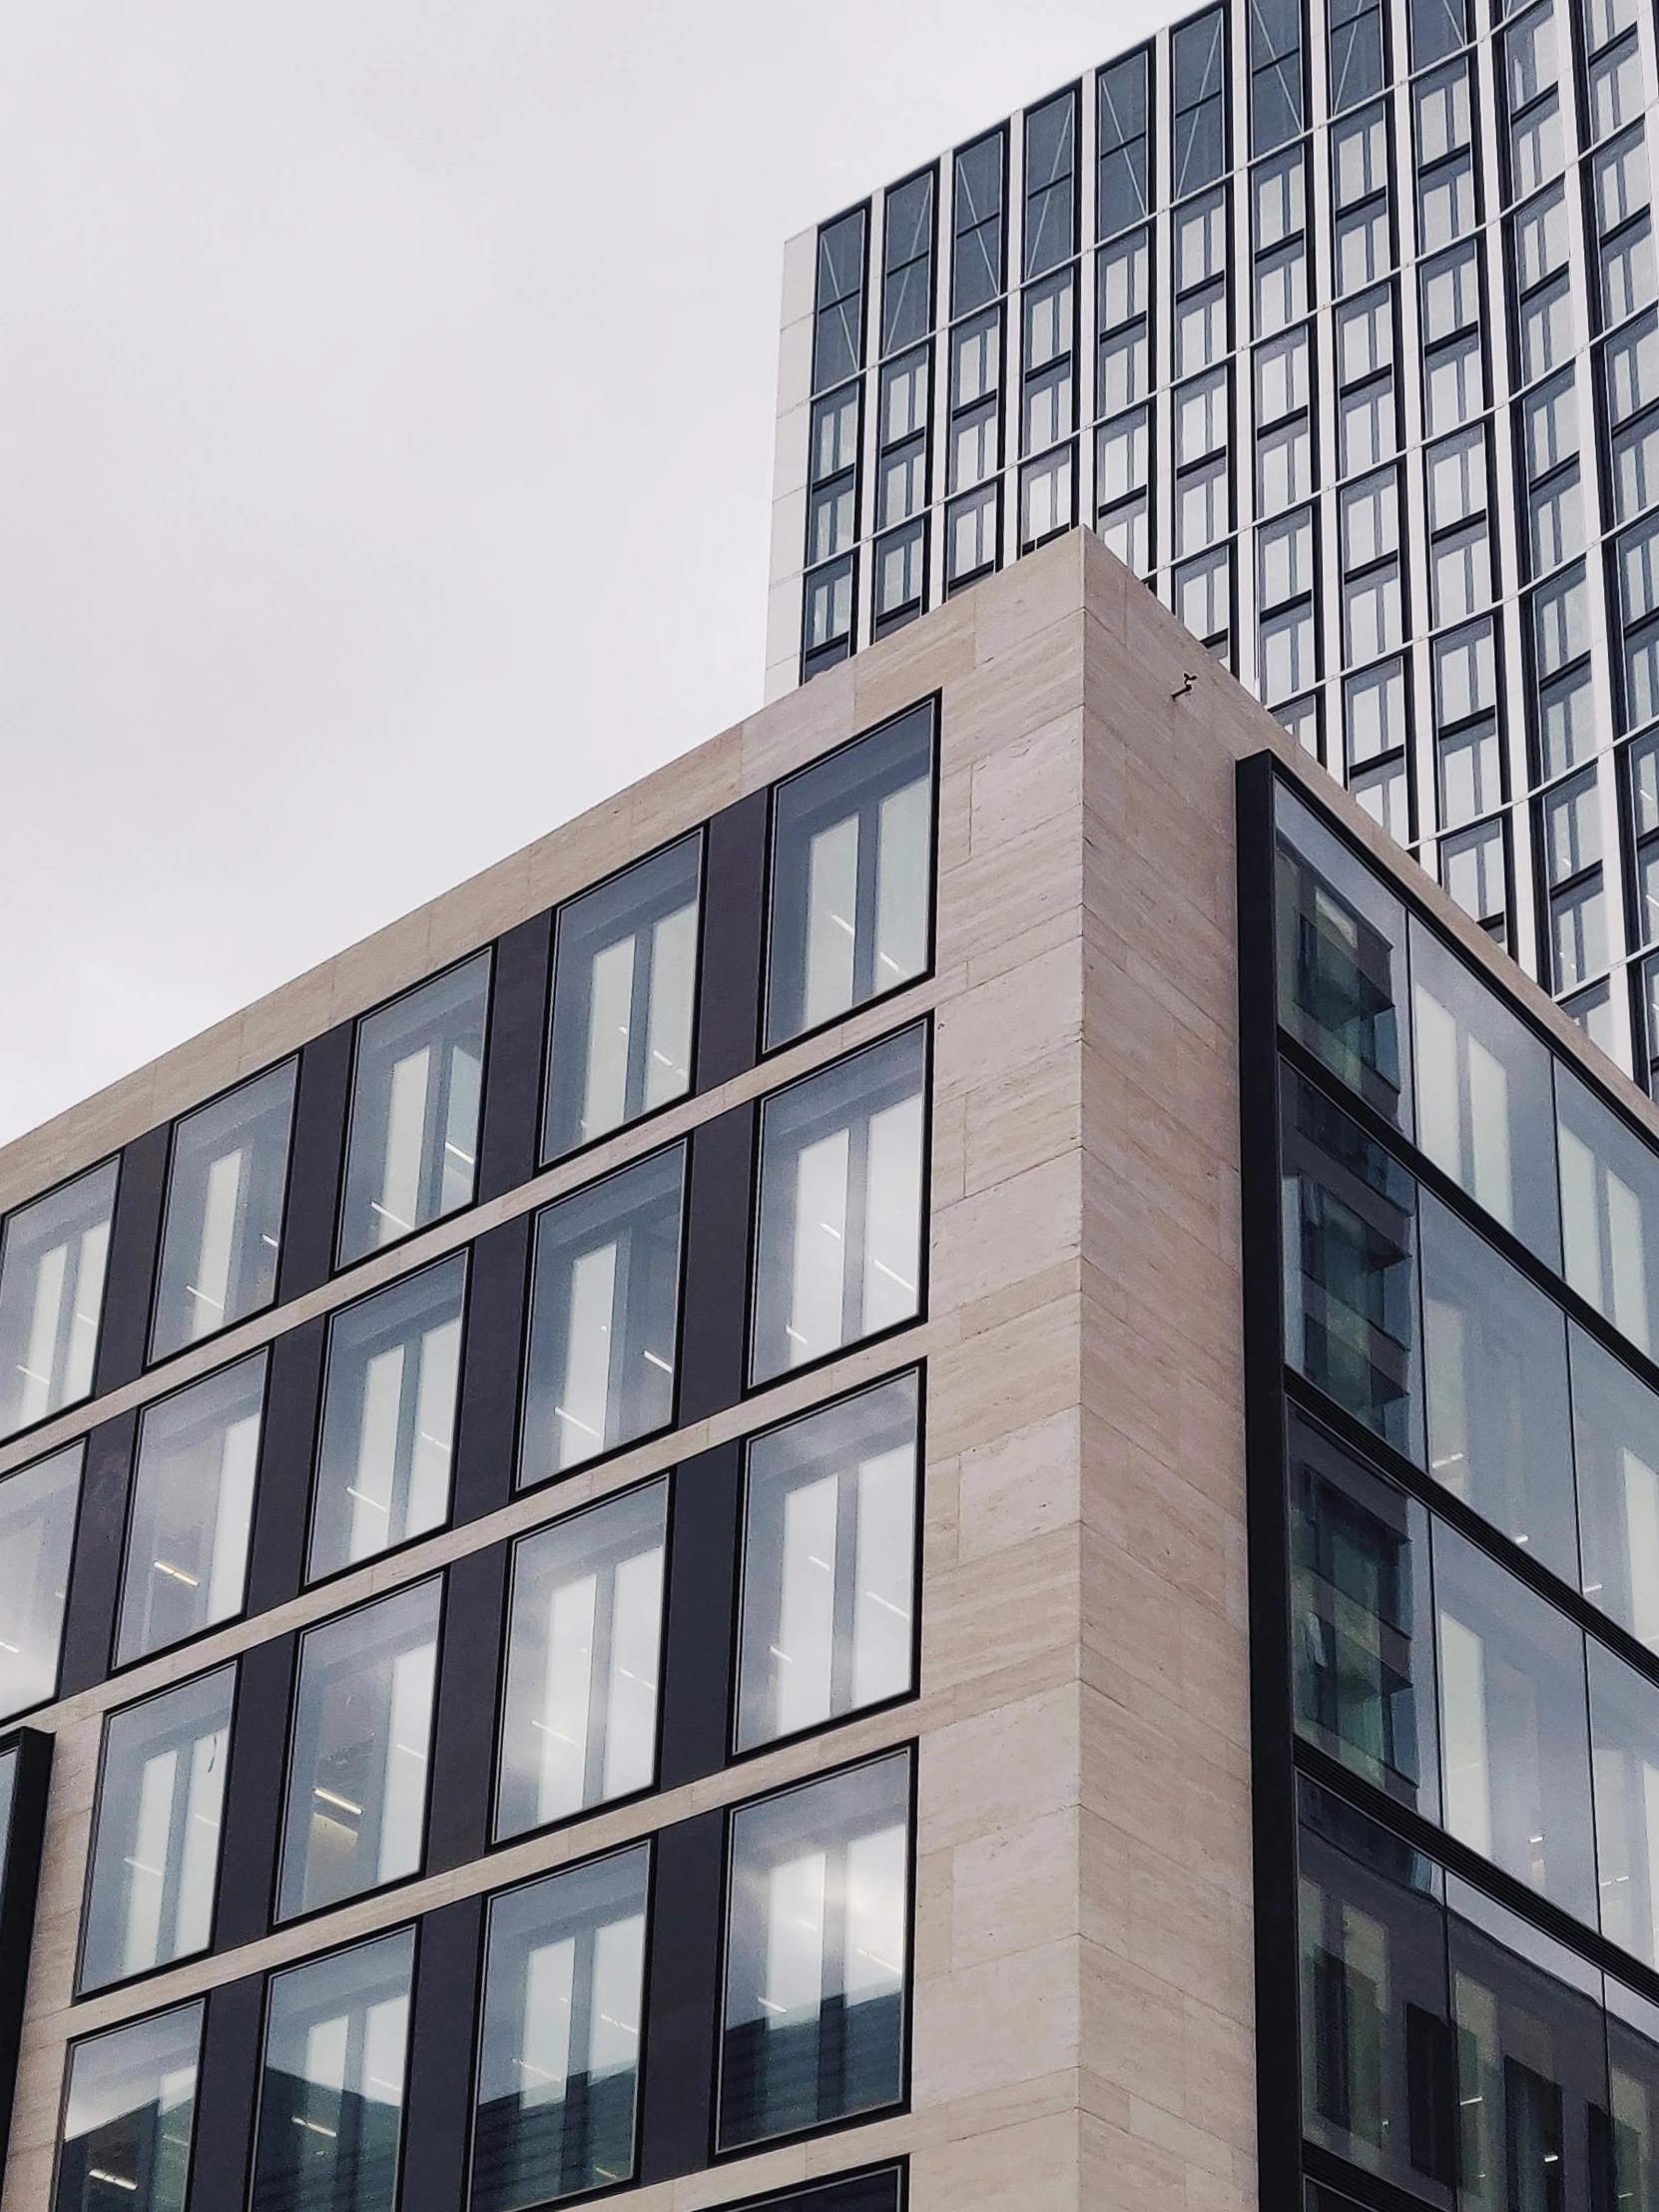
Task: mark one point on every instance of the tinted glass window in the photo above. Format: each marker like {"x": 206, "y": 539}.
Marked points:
{"x": 38, "y": 1506}
{"x": 332, "y": 2094}
{"x": 52, "y": 1260}
{"x": 225, "y": 1198}
{"x": 1616, "y": 1433}
{"x": 130, "y": 2117}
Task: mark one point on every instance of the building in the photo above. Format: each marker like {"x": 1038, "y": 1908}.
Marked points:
{"x": 866, "y": 1489}
{"x": 1339, "y": 326}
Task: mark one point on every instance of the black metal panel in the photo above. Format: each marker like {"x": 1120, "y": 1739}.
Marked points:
{"x": 253, "y": 1793}
{"x": 438, "y": 2107}
{"x": 510, "y": 1142}
{"x": 100, "y": 1539}
{"x": 683, "y": 1999}
{"x": 717, "y": 1265}
{"x": 228, "y": 2094}
{"x": 135, "y": 1238}
{"x": 463, "y": 1742}
{"x": 734, "y": 894}
{"x": 314, "y": 1162}
{"x": 486, "y": 1439}
{"x": 277, "y": 1561}
{"x": 697, "y": 1680}
{"x": 21, "y": 1853}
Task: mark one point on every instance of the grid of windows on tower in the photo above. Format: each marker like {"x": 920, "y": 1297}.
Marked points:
{"x": 651, "y": 1626}
{"x": 1372, "y": 407}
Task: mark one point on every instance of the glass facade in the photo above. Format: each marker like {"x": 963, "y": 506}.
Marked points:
{"x": 37, "y": 1508}
{"x": 225, "y": 1196}
{"x": 130, "y": 2115}
{"x": 53, "y": 1257}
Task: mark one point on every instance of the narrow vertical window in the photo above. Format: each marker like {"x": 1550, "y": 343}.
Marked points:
{"x": 852, "y": 879}
{"x": 558, "y": 2064}
{"x": 130, "y": 2117}
{"x": 584, "y": 1646}
{"x": 1624, "y": 1749}
{"x": 1198, "y": 62}
{"x": 357, "y": 1763}
{"x": 1276, "y": 104}
{"x": 415, "y": 1101}
{"x": 828, "y": 1565}
{"x": 976, "y": 256}
{"x": 603, "y": 1318}
{"x": 841, "y": 1205}
{"x": 1616, "y": 1462}
{"x": 624, "y": 989}
{"x": 1124, "y": 196}
{"x": 331, "y": 2125}
{"x": 225, "y": 1196}
{"x": 816, "y": 1954}
{"x": 38, "y": 1506}
{"x": 388, "y": 1418}
{"x": 155, "y": 1838}
{"x": 192, "y": 1510}
{"x": 1609, "y": 1211}
{"x": 838, "y": 320}
{"x": 907, "y": 265}
{"x": 52, "y": 1260}
{"x": 1050, "y": 184}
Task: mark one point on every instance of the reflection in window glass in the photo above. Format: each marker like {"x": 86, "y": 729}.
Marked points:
{"x": 1633, "y": 2066}
{"x": 840, "y": 1215}
{"x": 363, "y": 1727}
{"x": 52, "y": 1260}
{"x": 1348, "y": 1233}
{"x": 193, "y": 1507}
{"x": 37, "y": 1535}
{"x": 851, "y": 877}
{"x": 331, "y": 2095}
{"x": 558, "y": 2070}
{"x": 624, "y": 984}
{"x": 1512, "y": 1727}
{"x": 1341, "y": 962}
{"x": 1484, "y": 1098}
{"x": 130, "y": 2115}
{"x": 1495, "y": 1359}
{"x": 584, "y": 1650}
{"x": 1624, "y": 1750}
{"x": 1609, "y": 1234}
{"x": 155, "y": 1844}
{"x": 603, "y": 1318}
{"x": 414, "y": 1110}
{"x": 388, "y": 1418}
{"x": 1616, "y": 1439}
{"x": 815, "y": 1954}
{"x": 225, "y": 1211}
{"x": 829, "y": 1564}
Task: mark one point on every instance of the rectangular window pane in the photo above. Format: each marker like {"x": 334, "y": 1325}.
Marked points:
{"x": 838, "y": 317}
{"x": 51, "y": 1258}
{"x": 414, "y": 1110}
{"x": 603, "y": 1318}
{"x": 130, "y": 2115}
{"x": 155, "y": 1841}
{"x": 1609, "y": 1228}
{"x": 388, "y": 1418}
{"x": 579, "y": 1723}
{"x": 907, "y": 273}
{"x": 362, "y": 1724}
{"x": 828, "y": 1565}
{"x": 1616, "y": 1439}
{"x": 192, "y": 1510}
{"x": 1050, "y": 184}
{"x": 224, "y": 1197}
{"x": 977, "y": 257}
{"x": 1122, "y": 139}
{"x": 558, "y": 2066}
{"x": 816, "y": 1966}
{"x": 38, "y": 1506}
{"x": 330, "y": 2121}
{"x": 1624, "y": 1745}
{"x": 624, "y": 985}
{"x": 851, "y": 877}
{"x": 841, "y": 1212}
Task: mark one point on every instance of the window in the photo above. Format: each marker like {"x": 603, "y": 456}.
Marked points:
{"x": 130, "y": 2115}
{"x": 1638, "y": 565}
{"x": 1609, "y": 1222}
{"x": 362, "y": 1724}
{"x": 1557, "y": 631}
{"x": 1641, "y": 763}
{"x": 1124, "y": 103}
{"x": 816, "y": 1954}
{"x": 155, "y": 1840}
{"x": 1624, "y": 1748}
{"x": 976, "y": 407}
{"x": 1528, "y": 75}
{"x": 1204, "y": 600}
{"x": 851, "y": 877}
{"x": 558, "y": 2062}
{"x": 1123, "y": 294}
{"x": 1465, "y": 719}
{"x": 331, "y": 2123}
{"x": 1047, "y": 409}
{"x": 1199, "y": 61}
{"x": 38, "y": 1506}
{"x": 1571, "y": 823}
{"x": 901, "y": 464}
{"x": 1050, "y": 184}
{"x": 1364, "y": 247}
{"x": 1616, "y": 1456}
{"x": 584, "y": 1646}
{"x": 840, "y": 1215}
{"x": 900, "y": 563}
{"x": 388, "y": 1418}
{"x": 51, "y": 1258}
{"x": 223, "y": 1211}
{"x": 1122, "y": 471}
{"x": 1474, "y": 870}
{"x": 1278, "y": 194}
{"x": 1367, "y": 426}
{"x": 976, "y": 256}
{"x": 1376, "y": 729}
{"x": 1047, "y": 498}
{"x": 907, "y": 265}
{"x": 1200, "y": 239}
{"x": 415, "y": 1098}
{"x": 832, "y": 528}
{"x": 828, "y": 1622}
{"x": 192, "y": 1510}
{"x": 1445, "y": 160}
{"x": 1358, "y": 64}
{"x": 624, "y": 989}
{"x": 972, "y": 534}
{"x": 603, "y": 1318}
{"x": 1439, "y": 28}
{"x": 839, "y": 314}
{"x": 1275, "y": 73}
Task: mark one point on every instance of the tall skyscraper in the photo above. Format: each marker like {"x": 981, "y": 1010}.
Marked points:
{"x": 1339, "y": 326}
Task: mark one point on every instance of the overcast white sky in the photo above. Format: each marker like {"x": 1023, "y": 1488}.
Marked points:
{"x": 385, "y": 442}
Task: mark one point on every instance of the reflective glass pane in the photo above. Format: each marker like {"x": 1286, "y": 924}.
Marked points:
{"x": 129, "y": 2117}
{"x": 1624, "y": 1754}
{"x": 624, "y": 986}
{"x": 584, "y": 1648}
{"x": 225, "y": 1198}
{"x": 1609, "y": 1211}
{"x": 52, "y": 1260}
{"x": 1633, "y": 2069}
{"x": 1616, "y": 1439}
{"x": 38, "y": 1506}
